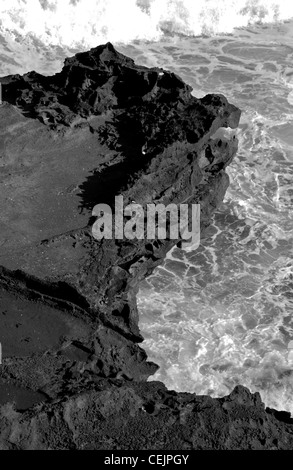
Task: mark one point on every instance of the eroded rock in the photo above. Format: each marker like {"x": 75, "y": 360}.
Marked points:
{"x": 104, "y": 127}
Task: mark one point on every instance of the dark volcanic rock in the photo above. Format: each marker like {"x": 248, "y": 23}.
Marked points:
{"x": 91, "y": 83}
{"x": 104, "y": 127}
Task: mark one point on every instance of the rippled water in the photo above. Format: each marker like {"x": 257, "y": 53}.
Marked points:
{"x": 223, "y": 315}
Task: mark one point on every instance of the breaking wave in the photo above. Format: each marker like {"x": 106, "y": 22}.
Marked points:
{"x": 86, "y": 23}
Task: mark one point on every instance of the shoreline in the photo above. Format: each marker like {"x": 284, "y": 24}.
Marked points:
{"x": 92, "y": 370}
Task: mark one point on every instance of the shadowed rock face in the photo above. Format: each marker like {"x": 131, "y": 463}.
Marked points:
{"x": 103, "y": 127}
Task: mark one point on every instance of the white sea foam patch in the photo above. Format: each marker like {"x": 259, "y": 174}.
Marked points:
{"x": 225, "y": 133}
{"x": 290, "y": 98}
{"x": 86, "y": 23}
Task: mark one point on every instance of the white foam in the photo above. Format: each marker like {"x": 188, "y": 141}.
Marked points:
{"x": 290, "y": 98}
{"x": 87, "y": 23}
{"x": 225, "y": 133}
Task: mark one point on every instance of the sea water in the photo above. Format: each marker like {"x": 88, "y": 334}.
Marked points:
{"x": 223, "y": 314}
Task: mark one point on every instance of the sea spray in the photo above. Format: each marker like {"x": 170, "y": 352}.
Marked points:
{"x": 87, "y": 23}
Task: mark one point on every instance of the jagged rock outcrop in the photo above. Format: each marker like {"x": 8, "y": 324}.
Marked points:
{"x": 103, "y": 127}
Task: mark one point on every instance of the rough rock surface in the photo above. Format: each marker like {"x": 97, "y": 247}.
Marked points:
{"x": 73, "y": 375}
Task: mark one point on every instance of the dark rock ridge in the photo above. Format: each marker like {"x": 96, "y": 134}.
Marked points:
{"x": 73, "y": 373}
